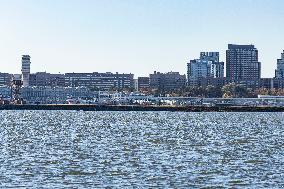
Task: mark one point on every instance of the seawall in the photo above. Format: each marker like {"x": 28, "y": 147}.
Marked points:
{"x": 91, "y": 107}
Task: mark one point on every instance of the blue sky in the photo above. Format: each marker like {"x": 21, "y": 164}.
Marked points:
{"x": 137, "y": 36}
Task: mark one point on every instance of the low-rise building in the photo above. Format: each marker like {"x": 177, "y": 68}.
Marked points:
{"x": 5, "y": 91}
{"x": 99, "y": 81}
{"x": 268, "y": 83}
{"x": 5, "y": 79}
{"x": 167, "y": 81}
{"x": 47, "y": 79}
{"x": 143, "y": 83}
{"x": 54, "y": 95}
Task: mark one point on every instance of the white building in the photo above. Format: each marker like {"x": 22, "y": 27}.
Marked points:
{"x": 26, "y": 64}
{"x": 207, "y": 66}
{"x": 54, "y": 95}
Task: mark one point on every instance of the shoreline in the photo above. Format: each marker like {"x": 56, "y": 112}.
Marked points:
{"x": 92, "y": 107}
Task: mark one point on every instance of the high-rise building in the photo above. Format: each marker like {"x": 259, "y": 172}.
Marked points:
{"x": 26, "y": 62}
{"x": 210, "y": 56}
{"x": 242, "y": 62}
{"x": 207, "y": 66}
{"x": 279, "y": 72}
{"x": 216, "y": 68}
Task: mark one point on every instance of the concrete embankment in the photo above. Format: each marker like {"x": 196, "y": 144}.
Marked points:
{"x": 82, "y": 107}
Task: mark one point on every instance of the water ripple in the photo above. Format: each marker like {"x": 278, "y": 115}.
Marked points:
{"x": 71, "y": 149}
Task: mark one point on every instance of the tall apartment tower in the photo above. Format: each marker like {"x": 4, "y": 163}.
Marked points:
{"x": 26, "y": 64}
{"x": 215, "y": 67}
{"x": 210, "y": 56}
{"x": 279, "y": 72}
{"x": 242, "y": 62}
{"x": 207, "y": 66}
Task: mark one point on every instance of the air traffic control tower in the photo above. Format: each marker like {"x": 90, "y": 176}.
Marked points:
{"x": 26, "y": 64}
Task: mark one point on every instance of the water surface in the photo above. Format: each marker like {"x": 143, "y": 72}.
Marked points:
{"x": 71, "y": 149}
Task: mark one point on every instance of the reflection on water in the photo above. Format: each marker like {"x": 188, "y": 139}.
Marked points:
{"x": 71, "y": 149}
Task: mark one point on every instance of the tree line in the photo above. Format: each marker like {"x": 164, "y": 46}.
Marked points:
{"x": 231, "y": 90}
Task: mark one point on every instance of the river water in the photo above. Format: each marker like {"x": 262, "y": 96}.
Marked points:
{"x": 71, "y": 149}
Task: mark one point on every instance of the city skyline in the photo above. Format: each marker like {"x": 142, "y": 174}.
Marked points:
{"x": 212, "y": 57}
{"x": 223, "y": 72}
{"x": 132, "y": 36}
